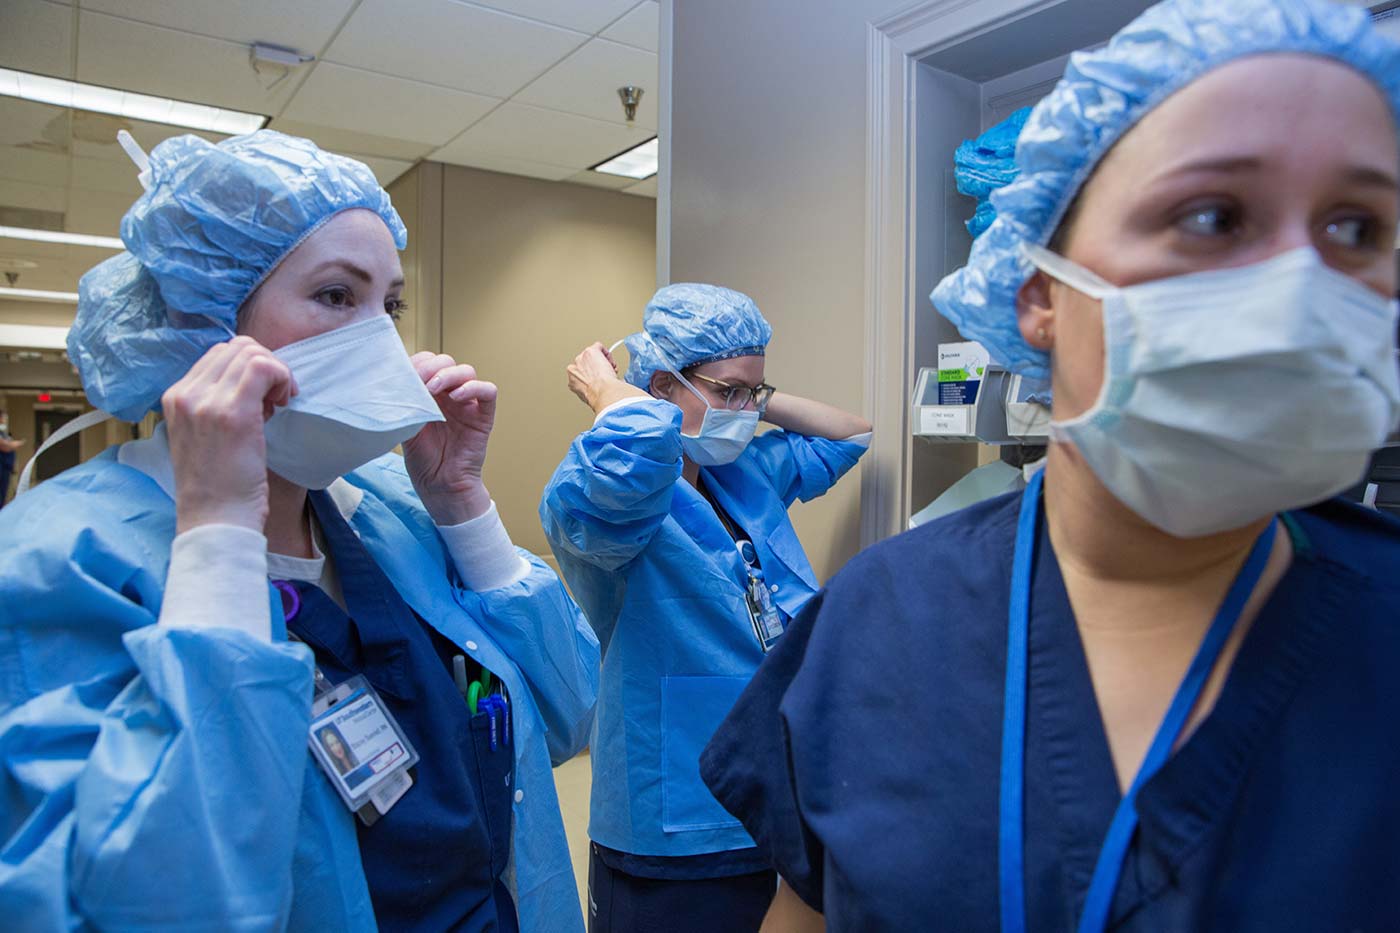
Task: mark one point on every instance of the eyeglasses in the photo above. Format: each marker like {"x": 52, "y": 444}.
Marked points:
{"x": 738, "y": 398}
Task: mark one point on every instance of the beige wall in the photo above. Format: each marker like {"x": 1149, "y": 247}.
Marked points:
{"x": 768, "y": 110}
{"x": 531, "y": 271}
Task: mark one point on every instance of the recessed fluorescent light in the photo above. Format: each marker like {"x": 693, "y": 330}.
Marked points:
{"x": 62, "y": 93}
{"x": 637, "y": 162}
{"x": 58, "y": 236}
{"x": 38, "y": 294}
{"x": 33, "y": 337}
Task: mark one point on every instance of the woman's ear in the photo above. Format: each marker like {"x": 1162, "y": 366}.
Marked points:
{"x": 662, "y": 384}
{"x": 1035, "y": 315}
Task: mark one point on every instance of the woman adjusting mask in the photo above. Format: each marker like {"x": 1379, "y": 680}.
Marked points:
{"x": 1116, "y": 700}
{"x": 278, "y": 611}
{"x": 669, "y": 520}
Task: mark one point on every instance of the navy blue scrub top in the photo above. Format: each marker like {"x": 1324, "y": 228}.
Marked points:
{"x": 435, "y": 860}
{"x": 864, "y": 756}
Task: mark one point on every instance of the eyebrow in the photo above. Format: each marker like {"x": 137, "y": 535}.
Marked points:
{"x": 354, "y": 270}
{"x": 1356, "y": 174}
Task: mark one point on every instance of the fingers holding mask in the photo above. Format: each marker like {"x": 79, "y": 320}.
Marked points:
{"x": 214, "y": 418}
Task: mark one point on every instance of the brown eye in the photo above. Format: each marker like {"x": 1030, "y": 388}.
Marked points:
{"x": 336, "y": 296}
{"x": 1357, "y": 232}
{"x": 1209, "y": 220}
{"x": 395, "y": 307}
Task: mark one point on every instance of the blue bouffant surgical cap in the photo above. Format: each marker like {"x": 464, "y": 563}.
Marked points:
{"x": 215, "y": 221}
{"x": 1105, "y": 93}
{"x": 689, "y": 325}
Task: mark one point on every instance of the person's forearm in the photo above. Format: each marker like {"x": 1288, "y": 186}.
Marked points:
{"x": 812, "y": 418}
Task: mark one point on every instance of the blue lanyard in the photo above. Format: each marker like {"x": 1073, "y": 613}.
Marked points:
{"x": 1010, "y": 838}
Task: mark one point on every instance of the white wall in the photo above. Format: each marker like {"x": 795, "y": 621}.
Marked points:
{"x": 768, "y": 111}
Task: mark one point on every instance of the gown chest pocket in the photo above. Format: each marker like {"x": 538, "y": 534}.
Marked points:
{"x": 692, "y": 708}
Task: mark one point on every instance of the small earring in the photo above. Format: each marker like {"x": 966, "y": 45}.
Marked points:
{"x": 1040, "y": 332}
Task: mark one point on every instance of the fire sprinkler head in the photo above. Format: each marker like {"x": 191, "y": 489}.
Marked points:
{"x": 631, "y": 96}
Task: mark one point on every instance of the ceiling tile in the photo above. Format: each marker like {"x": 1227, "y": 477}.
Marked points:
{"x": 385, "y": 170}
{"x": 106, "y": 175}
{"x": 340, "y": 140}
{"x": 584, "y": 15}
{"x": 600, "y": 180}
{"x": 586, "y": 83}
{"x": 95, "y": 137}
{"x": 351, "y": 99}
{"x": 135, "y": 57}
{"x": 34, "y": 126}
{"x": 509, "y": 166}
{"x": 97, "y": 212}
{"x": 452, "y": 44}
{"x": 646, "y": 189}
{"x": 640, "y": 28}
{"x": 306, "y": 25}
{"x": 37, "y": 36}
{"x": 33, "y": 166}
{"x": 32, "y": 197}
{"x": 518, "y": 131}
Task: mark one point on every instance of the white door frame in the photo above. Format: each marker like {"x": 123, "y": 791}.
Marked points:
{"x": 894, "y": 46}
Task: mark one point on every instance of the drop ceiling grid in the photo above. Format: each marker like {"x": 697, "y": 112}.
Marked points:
{"x": 199, "y": 52}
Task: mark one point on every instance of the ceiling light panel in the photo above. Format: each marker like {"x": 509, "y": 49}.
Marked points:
{"x": 58, "y": 236}
{"x": 637, "y": 162}
{"x": 61, "y": 93}
{"x": 38, "y": 294}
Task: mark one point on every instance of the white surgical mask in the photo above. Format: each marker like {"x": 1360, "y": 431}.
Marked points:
{"x": 358, "y": 398}
{"x": 1233, "y": 394}
{"x": 723, "y": 434}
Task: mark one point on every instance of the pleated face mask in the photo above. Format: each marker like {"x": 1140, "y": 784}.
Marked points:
{"x": 358, "y": 398}
{"x": 1233, "y": 394}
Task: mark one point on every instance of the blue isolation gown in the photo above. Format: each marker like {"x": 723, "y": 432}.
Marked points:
{"x": 864, "y": 756}
{"x": 662, "y": 584}
{"x": 155, "y": 778}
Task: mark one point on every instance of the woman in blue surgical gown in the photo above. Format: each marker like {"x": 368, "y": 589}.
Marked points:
{"x": 1157, "y": 691}
{"x": 669, "y": 520}
{"x": 169, "y": 609}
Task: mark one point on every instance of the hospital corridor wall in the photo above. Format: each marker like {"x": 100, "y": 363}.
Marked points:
{"x": 515, "y": 275}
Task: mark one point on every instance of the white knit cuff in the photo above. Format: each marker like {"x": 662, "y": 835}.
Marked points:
{"x": 218, "y": 579}
{"x": 481, "y": 548}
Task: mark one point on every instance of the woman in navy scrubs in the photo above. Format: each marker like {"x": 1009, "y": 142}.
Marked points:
{"x": 1157, "y": 691}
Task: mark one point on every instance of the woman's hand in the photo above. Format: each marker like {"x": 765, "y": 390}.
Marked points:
{"x": 445, "y": 460}
{"x": 214, "y": 418}
{"x": 593, "y": 378}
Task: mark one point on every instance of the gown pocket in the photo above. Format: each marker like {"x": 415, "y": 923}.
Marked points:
{"x": 692, "y": 707}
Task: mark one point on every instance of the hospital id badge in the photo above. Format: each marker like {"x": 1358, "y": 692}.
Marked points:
{"x": 361, "y": 748}
{"x": 764, "y": 616}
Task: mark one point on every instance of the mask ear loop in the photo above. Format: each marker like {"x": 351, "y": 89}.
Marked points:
{"x": 1067, "y": 272}
{"x": 671, "y": 368}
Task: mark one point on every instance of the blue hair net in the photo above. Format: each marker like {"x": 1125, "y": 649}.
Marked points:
{"x": 694, "y": 324}
{"x": 213, "y": 224}
{"x": 984, "y": 164}
{"x": 1105, "y": 93}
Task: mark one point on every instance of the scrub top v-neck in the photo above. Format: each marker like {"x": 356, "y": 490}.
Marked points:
{"x": 435, "y": 861}
{"x": 864, "y": 757}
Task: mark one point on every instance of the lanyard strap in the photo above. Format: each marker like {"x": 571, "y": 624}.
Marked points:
{"x": 1010, "y": 839}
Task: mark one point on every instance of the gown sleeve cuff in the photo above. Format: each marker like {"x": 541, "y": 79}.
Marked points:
{"x": 483, "y": 553}
{"x": 218, "y": 579}
{"x": 862, "y": 440}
